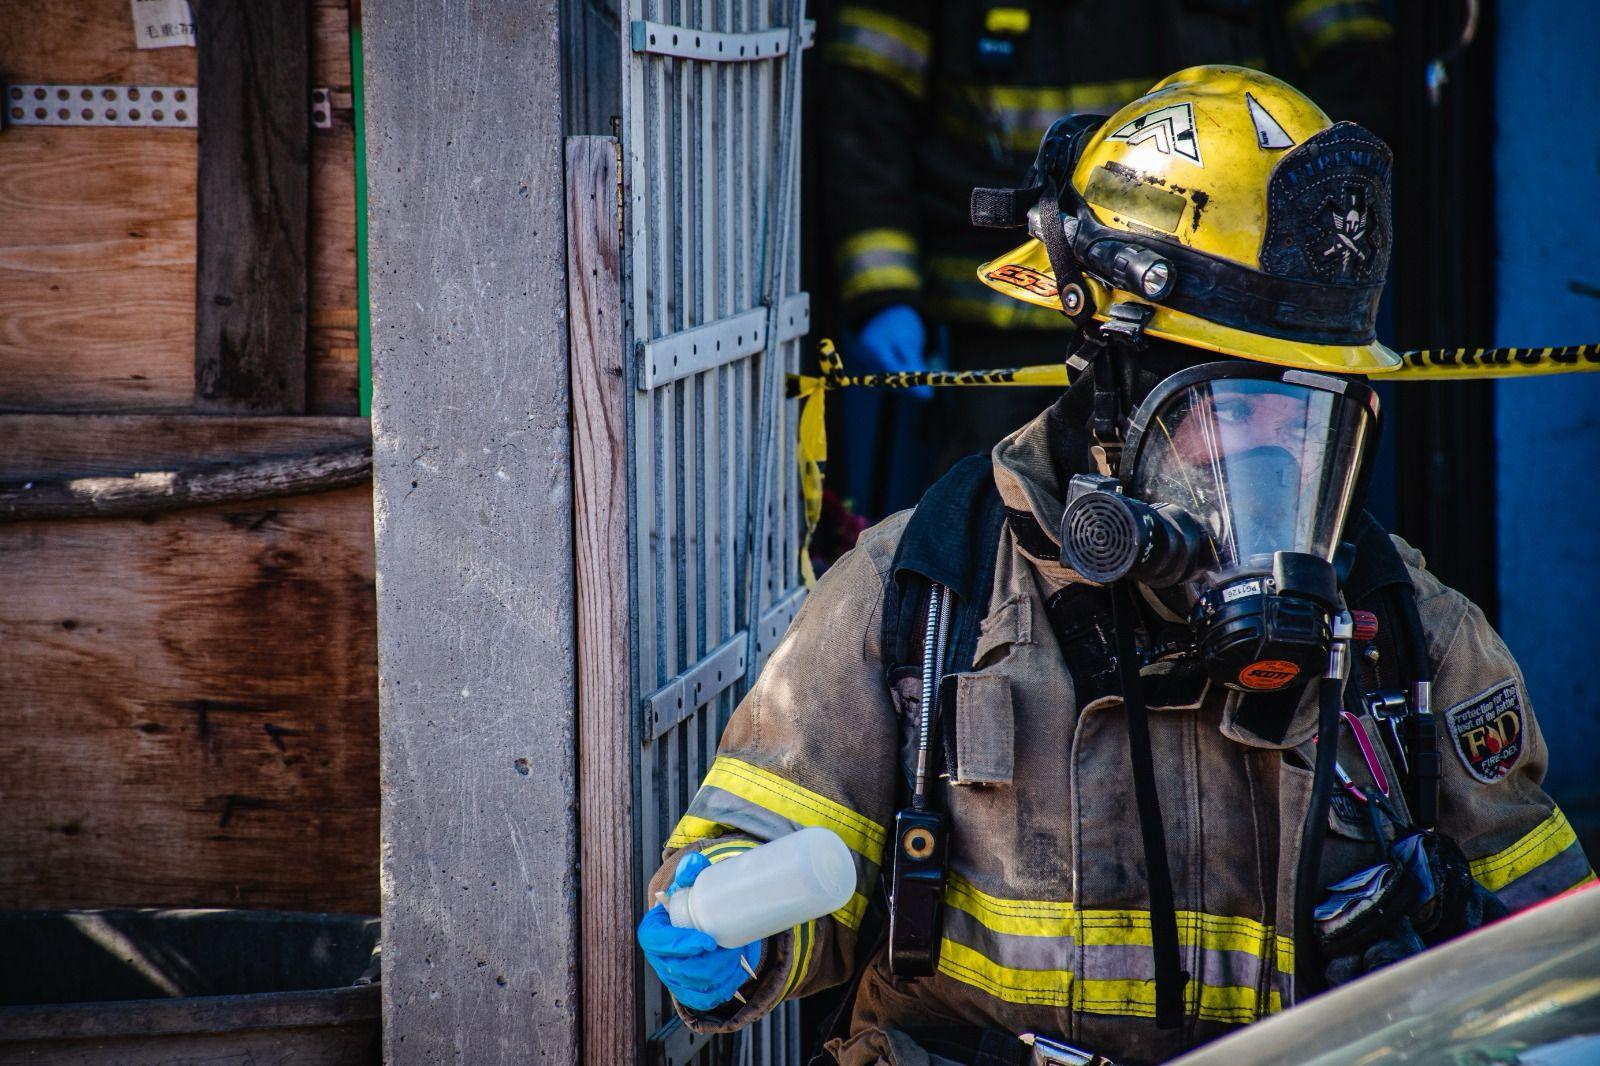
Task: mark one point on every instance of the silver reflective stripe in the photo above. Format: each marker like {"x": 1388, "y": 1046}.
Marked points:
{"x": 1552, "y": 877}
{"x": 870, "y": 38}
{"x": 1011, "y": 950}
{"x": 1218, "y": 968}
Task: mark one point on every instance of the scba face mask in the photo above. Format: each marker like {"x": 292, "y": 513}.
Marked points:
{"x": 1236, "y": 483}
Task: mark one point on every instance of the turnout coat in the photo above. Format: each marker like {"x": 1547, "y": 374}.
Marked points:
{"x": 1046, "y": 924}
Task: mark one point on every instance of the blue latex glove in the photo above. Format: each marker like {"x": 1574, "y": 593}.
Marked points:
{"x": 698, "y": 973}
{"x": 895, "y": 340}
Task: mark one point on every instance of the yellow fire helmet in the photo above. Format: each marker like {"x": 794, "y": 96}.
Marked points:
{"x": 1222, "y": 210}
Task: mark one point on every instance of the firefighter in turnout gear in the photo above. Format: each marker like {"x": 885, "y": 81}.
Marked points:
{"x": 923, "y": 102}
{"x": 1175, "y": 732}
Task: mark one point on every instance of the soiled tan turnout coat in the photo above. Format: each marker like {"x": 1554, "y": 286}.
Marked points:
{"x": 1046, "y": 922}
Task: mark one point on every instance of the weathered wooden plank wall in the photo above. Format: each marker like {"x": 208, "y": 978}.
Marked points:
{"x": 166, "y": 675}
{"x": 189, "y": 709}
{"x": 473, "y": 506}
{"x": 97, "y": 227}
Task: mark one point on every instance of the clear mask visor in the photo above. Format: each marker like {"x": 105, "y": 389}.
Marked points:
{"x": 1263, "y": 466}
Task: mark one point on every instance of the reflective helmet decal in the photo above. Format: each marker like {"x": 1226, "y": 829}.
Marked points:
{"x": 1169, "y": 130}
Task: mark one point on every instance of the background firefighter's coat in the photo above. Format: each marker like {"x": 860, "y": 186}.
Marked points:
{"x": 923, "y": 102}
{"x": 1046, "y": 923}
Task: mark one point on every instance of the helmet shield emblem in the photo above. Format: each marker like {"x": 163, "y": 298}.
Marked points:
{"x": 1328, "y": 210}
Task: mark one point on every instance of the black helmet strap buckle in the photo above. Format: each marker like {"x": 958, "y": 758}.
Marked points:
{"x": 1043, "y": 200}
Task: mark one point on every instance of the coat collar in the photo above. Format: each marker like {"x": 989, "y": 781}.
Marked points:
{"x": 1032, "y": 467}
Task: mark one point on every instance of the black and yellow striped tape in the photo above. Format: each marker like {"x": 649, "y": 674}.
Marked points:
{"x": 1454, "y": 364}
{"x": 1434, "y": 364}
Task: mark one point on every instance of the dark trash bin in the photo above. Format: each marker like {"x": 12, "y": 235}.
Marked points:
{"x": 180, "y": 987}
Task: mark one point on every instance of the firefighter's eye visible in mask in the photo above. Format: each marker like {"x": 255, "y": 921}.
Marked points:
{"x": 1234, "y": 411}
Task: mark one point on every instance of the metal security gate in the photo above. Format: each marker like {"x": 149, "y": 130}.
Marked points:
{"x": 710, "y": 164}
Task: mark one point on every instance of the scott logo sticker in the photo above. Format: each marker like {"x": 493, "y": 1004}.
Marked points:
{"x": 1487, "y": 731}
{"x": 1269, "y": 674}
{"x": 1170, "y": 129}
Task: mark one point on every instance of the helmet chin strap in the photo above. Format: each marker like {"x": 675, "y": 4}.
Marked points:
{"x": 1107, "y": 355}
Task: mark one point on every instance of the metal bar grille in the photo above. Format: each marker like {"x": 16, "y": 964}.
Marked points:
{"x": 700, "y": 149}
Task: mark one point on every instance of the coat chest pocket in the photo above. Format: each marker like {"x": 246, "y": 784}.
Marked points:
{"x": 985, "y": 730}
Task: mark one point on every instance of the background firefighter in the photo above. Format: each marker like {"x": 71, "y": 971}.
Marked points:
{"x": 924, "y": 102}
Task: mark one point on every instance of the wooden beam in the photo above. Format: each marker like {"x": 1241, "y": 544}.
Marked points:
{"x": 473, "y": 508}
{"x": 600, "y": 523}
{"x": 255, "y": 174}
{"x": 153, "y": 491}
{"x": 63, "y": 445}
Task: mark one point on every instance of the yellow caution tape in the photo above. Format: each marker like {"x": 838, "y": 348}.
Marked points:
{"x": 1434, "y": 364}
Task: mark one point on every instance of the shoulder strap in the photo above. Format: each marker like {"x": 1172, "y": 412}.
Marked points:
{"x": 1380, "y": 583}
{"x": 950, "y": 540}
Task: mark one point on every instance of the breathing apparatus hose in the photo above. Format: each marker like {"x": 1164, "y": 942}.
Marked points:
{"x": 1308, "y": 977}
{"x": 1170, "y": 977}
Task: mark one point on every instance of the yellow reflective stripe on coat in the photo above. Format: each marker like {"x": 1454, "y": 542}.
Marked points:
{"x": 1017, "y": 116}
{"x": 804, "y": 939}
{"x": 1550, "y": 843}
{"x": 1134, "y": 997}
{"x": 877, "y": 260}
{"x": 1021, "y": 951}
{"x": 737, "y": 791}
{"x": 1212, "y": 1003}
{"x": 1316, "y": 25}
{"x": 883, "y": 45}
{"x": 1021, "y": 917}
{"x": 1047, "y": 988}
{"x": 715, "y": 853}
{"x": 799, "y": 805}
{"x": 690, "y": 829}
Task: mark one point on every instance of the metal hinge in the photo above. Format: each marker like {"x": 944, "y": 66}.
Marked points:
{"x": 101, "y": 105}
{"x": 132, "y": 106}
{"x": 712, "y": 46}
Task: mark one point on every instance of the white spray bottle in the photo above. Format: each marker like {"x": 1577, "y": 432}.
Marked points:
{"x": 770, "y": 888}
